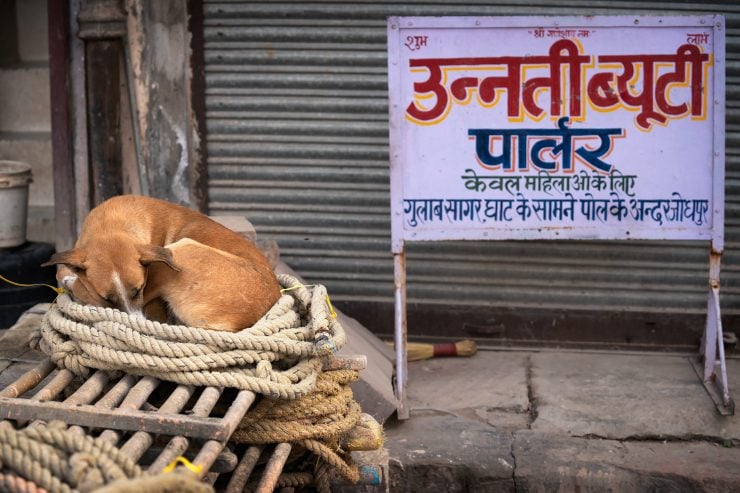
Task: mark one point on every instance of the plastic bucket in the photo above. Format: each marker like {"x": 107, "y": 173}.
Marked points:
{"x": 14, "y": 180}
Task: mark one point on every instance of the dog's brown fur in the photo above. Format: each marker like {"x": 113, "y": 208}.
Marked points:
{"x": 123, "y": 241}
{"x": 220, "y": 300}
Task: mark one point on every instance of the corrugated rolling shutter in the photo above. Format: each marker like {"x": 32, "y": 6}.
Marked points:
{"x": 297, "y": 140}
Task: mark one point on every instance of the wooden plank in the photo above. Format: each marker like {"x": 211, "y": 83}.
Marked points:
{"x": 161, "y": 110}
{"x": 61, "y": 131}
{"x": 119, "y": 419}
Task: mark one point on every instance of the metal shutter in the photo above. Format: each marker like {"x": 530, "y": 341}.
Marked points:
{"x": 297, "y": 140}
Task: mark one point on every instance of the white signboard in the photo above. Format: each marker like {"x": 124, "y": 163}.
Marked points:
{"x": 545, "y": 127}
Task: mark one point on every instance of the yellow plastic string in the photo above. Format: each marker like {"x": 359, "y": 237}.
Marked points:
{"x": 182, "y": 460}
{"x": 21, "y": 285}
{"x": 328, "y": 301}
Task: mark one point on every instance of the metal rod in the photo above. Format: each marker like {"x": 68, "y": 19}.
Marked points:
{"x": 111, "y": 399}
{"x": 138, "y": 395}
{"x": 240, "y": 476}
{"x": 56, "y": 385}
{"x": 208, "y": 454}
{"x": 274, "y": 468}
{"x": 225, "y": 462}
{"x": 207, "y": 400}
{"x": 400, "y": 333}
{"x": 709, "y": 338}
{"x": 174, "y": 449}
{"x": 89, "y": 390}
{"x": 231, "y": 420}
{"x": 178, "y": 445}
{"x": 28, "y": 380}
{"x": 141, "y": 440}
{"x": 238, "y": 409}
{"x": 116, "y": 395}
{"x": 721, "y": 348}
{"x": 133, "y": 401}
{"x": 124, "y": 419}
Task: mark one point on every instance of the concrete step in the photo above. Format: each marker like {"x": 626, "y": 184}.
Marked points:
{"x": 24, "y": 99}
{"x": 547, "y": 420}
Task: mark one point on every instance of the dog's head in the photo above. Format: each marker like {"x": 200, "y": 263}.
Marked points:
{"x": 109, "y": 273}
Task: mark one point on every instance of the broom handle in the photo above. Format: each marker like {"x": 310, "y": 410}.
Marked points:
{"x": 445, "y": 349}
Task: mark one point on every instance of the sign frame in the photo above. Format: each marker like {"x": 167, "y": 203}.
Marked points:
{"x": 711, "y": 362}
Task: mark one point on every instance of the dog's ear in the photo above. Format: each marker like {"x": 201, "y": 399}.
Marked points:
{"x": 153, "y": 253}
{"x": 74, "y": 258}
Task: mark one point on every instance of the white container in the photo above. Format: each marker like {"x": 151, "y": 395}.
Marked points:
{"x": 14, "y": 179}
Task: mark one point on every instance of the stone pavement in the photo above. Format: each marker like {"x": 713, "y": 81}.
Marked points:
{"x": 560, "y": 420}
{"x": 540, "y": 421}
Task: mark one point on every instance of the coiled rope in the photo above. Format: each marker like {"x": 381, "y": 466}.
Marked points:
{"x": 55, "y": 459}
{"x": 280, "y": 356}
{"x": 316, "y": 423}
{"x": 42, "y": 458}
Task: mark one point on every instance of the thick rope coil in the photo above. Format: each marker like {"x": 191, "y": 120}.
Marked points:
{"x": 280, "y": 356}
{"x": 55, "y": 459}
{"x": 315, "y": 422}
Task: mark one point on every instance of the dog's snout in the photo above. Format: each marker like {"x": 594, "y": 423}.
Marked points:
{"x": 67, "y": 282}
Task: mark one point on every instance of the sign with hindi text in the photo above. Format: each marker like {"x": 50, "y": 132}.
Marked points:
{"x": 547, "y": 127}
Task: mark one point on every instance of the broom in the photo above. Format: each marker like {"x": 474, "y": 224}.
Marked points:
{"x": 417, "y": 351}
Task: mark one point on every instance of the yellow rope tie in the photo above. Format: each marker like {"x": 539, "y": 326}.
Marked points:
{"x": 298, "y": 286}
{"x": 197, "y": 469}
{"x": 57, "y": 290}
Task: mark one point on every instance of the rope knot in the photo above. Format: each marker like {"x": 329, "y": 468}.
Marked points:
{"x": 324, "y": 345}
{"x": 68, "y": 355}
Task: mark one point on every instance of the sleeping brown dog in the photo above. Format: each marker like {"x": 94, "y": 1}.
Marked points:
{"x": 120, "y": 261}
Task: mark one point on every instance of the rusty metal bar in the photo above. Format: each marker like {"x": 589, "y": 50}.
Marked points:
{"x": 141, "y": 440}
{"x": 112, "y": 398}
{"x": 225, "y": 462}
{"x": 133, "y": 401}
{"x": 238, "y": 409}
{"x": 207, "y": 401}
{"x": 231, "y": 420}
{"x": 208, "y": 454}
{"x": 124, "y": 419}
{"x": 89, "y": 390}
{"x": 274, "y": 468}
{"x": 178, "y": 445}
{"x": 28, "y": 380}
{"x": 174, "y": 449}
{"x": 56, "y": 385}
{"x": 240, "y": 476}
{"x": 116, "y": 395}
{"x": 140, "y": 392}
